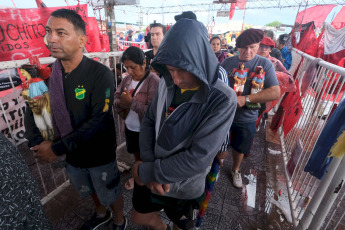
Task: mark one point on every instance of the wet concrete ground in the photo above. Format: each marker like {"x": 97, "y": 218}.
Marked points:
{"x": 230, "y": 208}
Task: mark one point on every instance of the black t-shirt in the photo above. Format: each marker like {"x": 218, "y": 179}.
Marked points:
{"x": 89, "y": 94}
{"x": 180, "y": 97}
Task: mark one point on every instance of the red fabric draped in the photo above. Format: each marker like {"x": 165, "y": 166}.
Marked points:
{"x": 94, "y": 36}
{"x": 105, "y": 43}
{"x": 331, "y": 85}
{"x": 240, "y": 4}
{"x": 309, "y": 43}
{"x": 40, "y": 4}
{"x": 318, "y": 14}
{"x": 232, "y": 10}
{"x": 332, "y": 58}
{"x": 339, "y": 20}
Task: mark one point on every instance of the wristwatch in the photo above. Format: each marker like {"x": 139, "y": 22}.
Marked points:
{"x": 247, "y": 99}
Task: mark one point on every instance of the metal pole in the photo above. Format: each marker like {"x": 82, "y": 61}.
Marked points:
{"x": 319, "y": 194}
{"x": 111, "y": 23}
{"x": 244, "y": 14}
{"x": 328, "y": 200}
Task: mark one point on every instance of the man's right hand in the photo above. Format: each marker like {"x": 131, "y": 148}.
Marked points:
{"x": 153, "y": 186}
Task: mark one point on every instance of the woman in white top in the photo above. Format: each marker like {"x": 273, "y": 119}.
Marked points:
{"x": 133, "y": 96}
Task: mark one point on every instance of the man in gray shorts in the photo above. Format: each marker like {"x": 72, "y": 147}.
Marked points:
{"x": 244, "y": 126}
{"x": 81, "y": 95}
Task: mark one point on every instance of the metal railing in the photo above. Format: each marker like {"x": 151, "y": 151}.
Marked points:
{"x": 51, "y": 179}
{"x": 307, "y": 194}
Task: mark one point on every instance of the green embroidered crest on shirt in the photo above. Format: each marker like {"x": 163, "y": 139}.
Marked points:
{"x": 80, "y": 92}
{"x": 107, "y": 95}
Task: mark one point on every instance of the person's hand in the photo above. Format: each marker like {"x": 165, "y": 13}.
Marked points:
{"x": 241, "y": 101}
{"x": 135, "y": 175}
{"x": 221, "y": 157}
{"x": 125, "y": 99}
{"x": 44, "y": 152}
{"x": 158, "y": 188}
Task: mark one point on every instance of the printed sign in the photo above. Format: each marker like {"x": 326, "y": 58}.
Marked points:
{"x": 12, "y": 116}
{"x": 22, "y": 32}
{"x": 5, "y": 82}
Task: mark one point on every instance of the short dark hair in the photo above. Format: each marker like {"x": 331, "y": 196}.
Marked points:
{"x": 164, "y": 29}
{"x": 133, "y": 54}
{"x": 215, "y": 37}
{"x": 119, "y": 67}
{"x": 71, "y": 16}
{"x": 269, "y": 33}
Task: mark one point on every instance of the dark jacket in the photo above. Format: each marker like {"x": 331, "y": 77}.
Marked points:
{"x": 92, "y": 142}
{"x": 178, "y": 150}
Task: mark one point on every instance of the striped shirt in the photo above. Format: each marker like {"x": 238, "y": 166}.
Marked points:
{"x": 223, "y": 76}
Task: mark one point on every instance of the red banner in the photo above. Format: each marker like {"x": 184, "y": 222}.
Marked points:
{"x": 94, "y": 36}
{"x": 318, "y": 14}
{"x": 293, "y": 109}
{"x": 22, "y": 32}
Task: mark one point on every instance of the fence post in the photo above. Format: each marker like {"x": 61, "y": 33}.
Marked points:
{"x": 331, "y": 194}
{"x": 314, "y": 205}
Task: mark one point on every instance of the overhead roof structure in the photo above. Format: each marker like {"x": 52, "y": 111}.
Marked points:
{"x": 220, "y": 6}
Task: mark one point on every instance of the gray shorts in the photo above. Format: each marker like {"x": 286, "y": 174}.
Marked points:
{"x": 103, "y": 180}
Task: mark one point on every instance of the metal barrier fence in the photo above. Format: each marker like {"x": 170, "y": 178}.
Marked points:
{"x": 312, "y": 200}
{"x": 52, "y": 179}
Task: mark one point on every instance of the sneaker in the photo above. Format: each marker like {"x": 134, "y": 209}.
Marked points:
{"x": 97, "y": 221}
{"x": 121, "y": 227}
{"x": 236, "y": 178}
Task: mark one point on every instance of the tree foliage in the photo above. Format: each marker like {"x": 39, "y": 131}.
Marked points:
{"x": 274, "y": 24}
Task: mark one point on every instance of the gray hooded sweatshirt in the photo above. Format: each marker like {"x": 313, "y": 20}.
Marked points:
{"x": 177, "y": 150}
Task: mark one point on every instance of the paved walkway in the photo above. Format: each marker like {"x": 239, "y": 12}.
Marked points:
{"x": 229, "y": 207}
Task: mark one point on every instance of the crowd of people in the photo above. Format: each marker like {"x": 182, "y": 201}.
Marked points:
{"x": 183, "y": 104}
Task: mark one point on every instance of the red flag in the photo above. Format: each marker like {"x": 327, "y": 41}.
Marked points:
{"x": 40, "y": 4}
{"x": 309, "y": 43}
{"x": 293, "y": 109}
{"x": 339, "y": 20}
{"x": 241, "y": 4}
{"x": 232, "y": 10}
{"x": 95, "y": 45}
{"x": 318, "y": 14}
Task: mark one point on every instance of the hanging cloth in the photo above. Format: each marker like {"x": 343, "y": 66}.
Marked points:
{"x": 334, "y": 39}
{"x": 321, "y": 157}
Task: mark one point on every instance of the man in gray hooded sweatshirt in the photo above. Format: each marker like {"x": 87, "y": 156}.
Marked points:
{"x": 183, "y": 129}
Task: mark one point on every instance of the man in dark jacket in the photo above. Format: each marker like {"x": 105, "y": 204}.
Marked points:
{"x": 183, "y": 129}
{"x": 81, "y": 95}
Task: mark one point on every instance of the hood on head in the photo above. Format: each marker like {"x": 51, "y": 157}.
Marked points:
{"x": 186, "y": 46}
